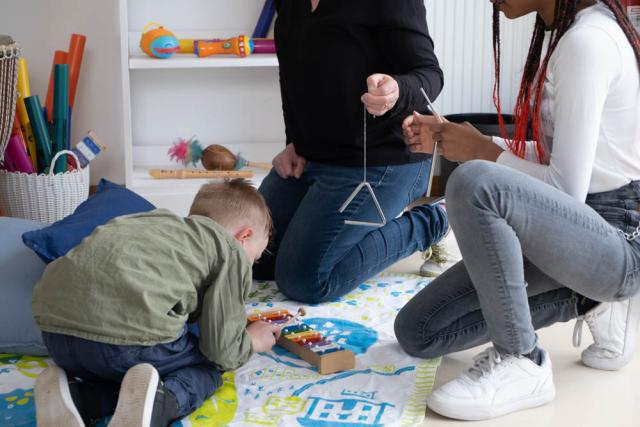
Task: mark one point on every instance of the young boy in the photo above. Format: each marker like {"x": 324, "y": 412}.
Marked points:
{"x": 115, "y": 308}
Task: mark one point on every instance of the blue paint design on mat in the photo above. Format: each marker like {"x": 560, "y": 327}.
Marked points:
{"x": 17, "y": 408}
{"x": 351, "y": 336}
{"x": 347, "y": 374}
{"x": 344, "y": 412}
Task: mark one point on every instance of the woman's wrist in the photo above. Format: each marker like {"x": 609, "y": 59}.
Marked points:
{"x": 488, "y": 150}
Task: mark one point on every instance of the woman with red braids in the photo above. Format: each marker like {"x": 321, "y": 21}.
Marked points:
{"x": 547, "y": 227}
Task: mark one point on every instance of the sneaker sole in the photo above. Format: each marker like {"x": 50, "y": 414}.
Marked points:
{"x": 605, "y": 364}
{"x": 590, "y": 357}
{"x": 429, "y": 274}
{"x": 456, "y": 412}
{"x": 54, "y": 405}
{"x": 137, "y": 395}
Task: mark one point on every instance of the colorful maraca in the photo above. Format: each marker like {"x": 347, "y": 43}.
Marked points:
{"x": 158, "y": 42}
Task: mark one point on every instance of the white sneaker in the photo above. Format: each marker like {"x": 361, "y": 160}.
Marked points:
{"x": 614, "y": 326}
{"x": 54, "y": 405}
{"x": 137, "y": 397}
{"x": 495, "y": 385}
{"x": 436, "y": 260}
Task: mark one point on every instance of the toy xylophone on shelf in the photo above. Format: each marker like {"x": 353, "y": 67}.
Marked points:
{"x": 302, "y": 340}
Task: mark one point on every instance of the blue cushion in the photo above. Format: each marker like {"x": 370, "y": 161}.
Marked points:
{"x": 109, "y": 201}
{"x": 21, "y": 269}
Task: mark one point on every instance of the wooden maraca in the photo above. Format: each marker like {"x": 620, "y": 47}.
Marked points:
{"x": 217, "y": 157}
{"x": 214, "y": 157}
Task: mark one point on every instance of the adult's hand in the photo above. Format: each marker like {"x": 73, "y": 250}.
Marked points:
{"x": 456, "y": 142}
{"x": 382, "y": 95}
{"x": 288, "y": 163}
{"x": 417, "y": 133}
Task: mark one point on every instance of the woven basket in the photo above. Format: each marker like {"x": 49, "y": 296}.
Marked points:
{"x": 46, "y": 197}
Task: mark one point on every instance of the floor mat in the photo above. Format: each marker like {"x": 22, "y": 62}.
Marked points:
{"x": 387, "y": 387}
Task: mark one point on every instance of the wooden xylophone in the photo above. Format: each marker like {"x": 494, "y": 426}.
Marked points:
{"x": 302, "y": 340}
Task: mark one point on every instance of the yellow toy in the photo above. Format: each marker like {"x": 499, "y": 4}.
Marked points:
{"x": 241, "y": 46}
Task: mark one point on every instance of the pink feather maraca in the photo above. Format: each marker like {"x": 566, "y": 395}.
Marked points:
{"x": 214, "y": 157}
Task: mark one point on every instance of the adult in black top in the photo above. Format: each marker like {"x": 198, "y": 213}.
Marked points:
{"x": 325, "y": 59}
{"x": 338, "y": 57}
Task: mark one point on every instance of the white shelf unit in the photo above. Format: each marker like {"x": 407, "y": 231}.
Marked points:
{"x": 226, "y": 100}
{"x": 140, "y": 61}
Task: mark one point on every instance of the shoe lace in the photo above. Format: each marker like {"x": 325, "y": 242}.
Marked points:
{"x": 485, "y": 362}
{"x": 436, "y": 253}
{"x": 577, "y": 329}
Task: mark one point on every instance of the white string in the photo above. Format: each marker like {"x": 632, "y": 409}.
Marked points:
{"x": 364, "y": 138}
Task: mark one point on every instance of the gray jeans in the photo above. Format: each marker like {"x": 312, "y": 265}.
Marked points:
{"x": 529, "y": 252}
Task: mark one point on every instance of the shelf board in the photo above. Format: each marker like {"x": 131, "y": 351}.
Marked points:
{"x": 140, "y": 61}
{"x": 143, "y": 182}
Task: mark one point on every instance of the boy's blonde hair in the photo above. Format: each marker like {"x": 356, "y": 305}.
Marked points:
{"x": 233, "y": 203}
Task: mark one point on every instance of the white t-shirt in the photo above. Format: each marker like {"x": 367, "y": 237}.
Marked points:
{"x": 590, "y": 110}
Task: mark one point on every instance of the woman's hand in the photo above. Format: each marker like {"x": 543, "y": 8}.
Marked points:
{"x": 288, "y": 163}
{"x": 456, "y": 142}
{"x": 383, "y": 93}
{"x": 417, "y": 133}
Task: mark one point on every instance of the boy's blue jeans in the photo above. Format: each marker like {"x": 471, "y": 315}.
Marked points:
{"x": 316, "y": 257}
{"x": 185, "y": 371}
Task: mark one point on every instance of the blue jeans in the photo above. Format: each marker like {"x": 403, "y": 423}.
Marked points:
{"x": 185, "y": 371}
{"x": 529, "y": 253}
{"x": 316, "y": 257}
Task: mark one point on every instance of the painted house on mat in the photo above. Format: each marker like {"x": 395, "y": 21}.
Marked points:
{"x": 345, "y": 412}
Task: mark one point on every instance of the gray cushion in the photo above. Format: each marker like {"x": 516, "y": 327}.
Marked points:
{"x": 20, "y": 270}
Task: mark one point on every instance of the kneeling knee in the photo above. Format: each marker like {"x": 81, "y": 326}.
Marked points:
{"x": 300, "y": 286}
{"x": 470, "y": 178}
{"x": 412, "y": 340}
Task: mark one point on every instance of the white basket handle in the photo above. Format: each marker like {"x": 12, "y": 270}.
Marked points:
{"x": 57, "y": 156}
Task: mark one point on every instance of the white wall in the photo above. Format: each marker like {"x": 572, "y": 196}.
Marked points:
{"x": 461, "y": 31}
{"x": 43, "y": 26}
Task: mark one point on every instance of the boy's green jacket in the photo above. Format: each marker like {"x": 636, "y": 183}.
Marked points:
{"x": 140, "y": 278}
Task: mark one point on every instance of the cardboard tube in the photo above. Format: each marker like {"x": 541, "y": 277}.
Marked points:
{"x": 76, "y": 51}
{"x": 60, "y": 57}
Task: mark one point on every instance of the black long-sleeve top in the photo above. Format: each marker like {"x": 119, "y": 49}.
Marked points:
{"x": 325, "y": 58}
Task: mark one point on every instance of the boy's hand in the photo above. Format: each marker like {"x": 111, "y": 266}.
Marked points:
{"x": 263, "y": 335}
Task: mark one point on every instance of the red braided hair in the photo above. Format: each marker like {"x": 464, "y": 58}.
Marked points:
{"x": 535, "y": 69}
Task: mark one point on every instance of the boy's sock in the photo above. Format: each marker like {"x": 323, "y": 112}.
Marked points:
{"x": 535, "y": 356}
{"x": 94, "y": 400}
{"x": 165, "y": 407}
